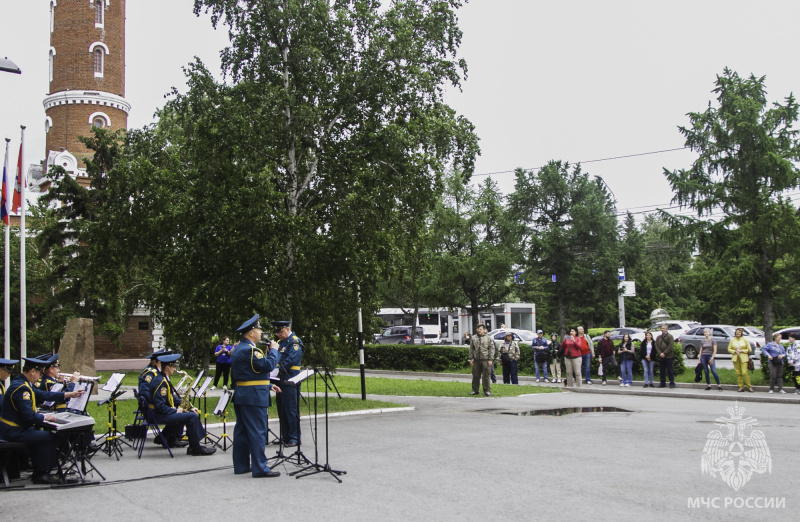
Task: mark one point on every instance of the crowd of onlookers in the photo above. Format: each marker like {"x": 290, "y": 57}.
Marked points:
{"x": 577, "y": 350}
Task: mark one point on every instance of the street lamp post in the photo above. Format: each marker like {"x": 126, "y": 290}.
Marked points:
{"x": 7, "y": 65}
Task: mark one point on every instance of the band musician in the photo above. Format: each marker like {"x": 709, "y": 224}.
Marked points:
{"x": 20, "y": 421}
{"x": 169, "y": 410}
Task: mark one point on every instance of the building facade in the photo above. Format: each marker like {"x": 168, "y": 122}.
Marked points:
{"x": 86, "y": 77}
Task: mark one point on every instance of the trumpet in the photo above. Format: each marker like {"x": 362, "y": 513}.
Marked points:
{"x": 81, "y": 378}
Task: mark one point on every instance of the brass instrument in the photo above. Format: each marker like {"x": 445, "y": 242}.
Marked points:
{"x": 81, "y": 378}
{"x": 182, "y": 391}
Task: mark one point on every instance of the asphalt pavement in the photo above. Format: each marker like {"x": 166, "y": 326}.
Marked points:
{"x": 476, "y": 458}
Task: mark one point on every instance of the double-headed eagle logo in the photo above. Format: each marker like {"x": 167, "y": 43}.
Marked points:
{"x": 736, "y": 451}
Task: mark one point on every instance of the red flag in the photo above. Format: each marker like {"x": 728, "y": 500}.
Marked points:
{"x": 17, "y": 201}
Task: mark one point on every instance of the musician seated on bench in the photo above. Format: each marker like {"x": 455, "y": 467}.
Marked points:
{"x": 50, "y": 378}
{"x": 19, "y": 418}
{"x": 169, "y": 411}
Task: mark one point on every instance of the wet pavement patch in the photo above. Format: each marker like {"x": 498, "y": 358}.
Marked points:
{"x": 558, "y": 412}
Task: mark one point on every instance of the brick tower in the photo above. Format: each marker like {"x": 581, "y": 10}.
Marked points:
{"x": 87, "y": 77}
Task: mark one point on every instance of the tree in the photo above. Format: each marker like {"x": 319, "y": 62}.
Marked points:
{"x": 77, "y": 278}
{"x": 570, "y": 234}
{"x": 286, "y": 189}
{"x": 746, "y": 161}
{"x": 476, "y": 247}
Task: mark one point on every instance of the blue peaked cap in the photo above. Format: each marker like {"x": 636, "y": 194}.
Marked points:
{"x": 249, "y": 325}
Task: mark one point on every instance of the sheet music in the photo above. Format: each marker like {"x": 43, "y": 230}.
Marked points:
{"x": 273, "y": 375}
{"x": 302, "y": 376}
{"x": 57, "y": 387}
{"x": 223, "y": 402}
{"x": 79, "y": 403}
{"x": 202, "y": 388}
{"x": 196, "y": 382}
{"x": 113, "y": 382}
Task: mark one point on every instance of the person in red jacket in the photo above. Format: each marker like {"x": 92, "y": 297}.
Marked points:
{"x": 572, "y": 358}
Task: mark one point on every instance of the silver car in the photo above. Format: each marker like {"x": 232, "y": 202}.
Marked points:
{"x": 692, "y": 341}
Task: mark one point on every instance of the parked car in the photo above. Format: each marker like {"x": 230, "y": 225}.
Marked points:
{"x": 401, "y": 335}
{"x": 676, "y": 328}
{"x": 691, "y": 341}
{"x": 637, "y": 334}
{"x": 523, "y": 336}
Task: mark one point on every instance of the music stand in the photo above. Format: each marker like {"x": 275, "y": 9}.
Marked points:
{"x": 201, "y": 391}
{"x": 113, "y": 441}
{"x": 297, "y": 454}
{"x": 222, "y": 410}
{"x": 316, "y": 467}
{"x": 273, "y": 377}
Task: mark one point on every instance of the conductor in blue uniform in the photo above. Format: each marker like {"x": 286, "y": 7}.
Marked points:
{"x": 291, "y": 350}
{"x": 19, "y": 421}
{"x": 250, "y": 369}
{"x": 169, "y": 410}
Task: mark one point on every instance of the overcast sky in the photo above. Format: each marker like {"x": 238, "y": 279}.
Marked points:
{"x": 570, "y": 80}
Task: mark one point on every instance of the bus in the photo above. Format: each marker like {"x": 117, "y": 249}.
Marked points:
{"x": 427, "y": 318}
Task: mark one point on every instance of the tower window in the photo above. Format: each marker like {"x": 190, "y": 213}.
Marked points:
{"x": 98, "y": 62}
{"x": 100, "y": 120}
{"x": 98, "y": 13}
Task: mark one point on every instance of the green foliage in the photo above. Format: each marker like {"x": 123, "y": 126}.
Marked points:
{"x": 570, "y": 232}
{"x": 476, "y": 247}
{"x": 406, "y": 357}
{"x": 289, "y": 188}
{"x": 746, "y": 229}
{"x": 76, "y": 275}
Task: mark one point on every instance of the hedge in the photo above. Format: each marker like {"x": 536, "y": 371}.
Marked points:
{"x": 438, "y": 358}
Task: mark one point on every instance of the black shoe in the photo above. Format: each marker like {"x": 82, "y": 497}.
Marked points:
{"x": 175, "y": 442}
{"x": 708, "y": 388}
{"x": 270, "y": 474}
{"x": 46, "y": 478}
{"x": 672, "y": 385}
{"x": 200, "y": 450}
{"x": 290, "y": 444}
{"x": 662, "y": 385}
{"x": 473, "y": 393}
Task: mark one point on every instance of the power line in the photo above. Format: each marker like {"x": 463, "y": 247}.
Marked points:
{"x": 588, "y": 161}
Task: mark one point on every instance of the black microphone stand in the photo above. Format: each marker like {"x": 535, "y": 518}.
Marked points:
{"x": 316, "y": 467}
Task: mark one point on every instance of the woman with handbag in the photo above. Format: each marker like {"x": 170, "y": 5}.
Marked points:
{"x": 739, "y": 348}
{"x": 509, "y": 355}
{"x": 572, "y": 358}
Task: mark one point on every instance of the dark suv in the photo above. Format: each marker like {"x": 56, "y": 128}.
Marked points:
{"x": 401, "y": 335}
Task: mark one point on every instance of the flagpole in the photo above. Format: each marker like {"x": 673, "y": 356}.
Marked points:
{"x": 23, "y": 296}
{"x": 7, "y": 265}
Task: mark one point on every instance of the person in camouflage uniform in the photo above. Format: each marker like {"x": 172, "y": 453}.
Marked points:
{"x": 481, "y": 354}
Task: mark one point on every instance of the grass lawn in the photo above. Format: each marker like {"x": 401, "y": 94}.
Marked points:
{"x": 725, "y": 376}
{"x": 426, "y": 387}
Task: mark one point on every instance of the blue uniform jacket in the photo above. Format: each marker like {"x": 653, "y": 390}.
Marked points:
{"x": 291, "y": 350}
{"x": 250, "y": 369}
{"x": 145, "y": 378}
{"x": 19, "y": 403}
{"x": 2, "y": 394}
{"x": 162, "y": 397}
{"x": 46, "y": 384}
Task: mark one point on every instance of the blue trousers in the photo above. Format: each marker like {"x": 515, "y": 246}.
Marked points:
{"x": 587, "y": 367}
{"x": 41, "y": 445}
{"x": 649, "y": 370}
{"x": 250, "y": 440}
{"x": 287, "y": 408}
{"x": 705, "y": 360}
{"x": 627, "y": 371}
{"x": 194, "y": 428}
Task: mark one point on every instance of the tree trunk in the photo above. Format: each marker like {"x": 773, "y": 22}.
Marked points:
{"x": 562, "y": 322}
{"x": 766, "y": 297}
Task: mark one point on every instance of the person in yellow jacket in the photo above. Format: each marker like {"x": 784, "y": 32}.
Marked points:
{"x": 739, "y": 348}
